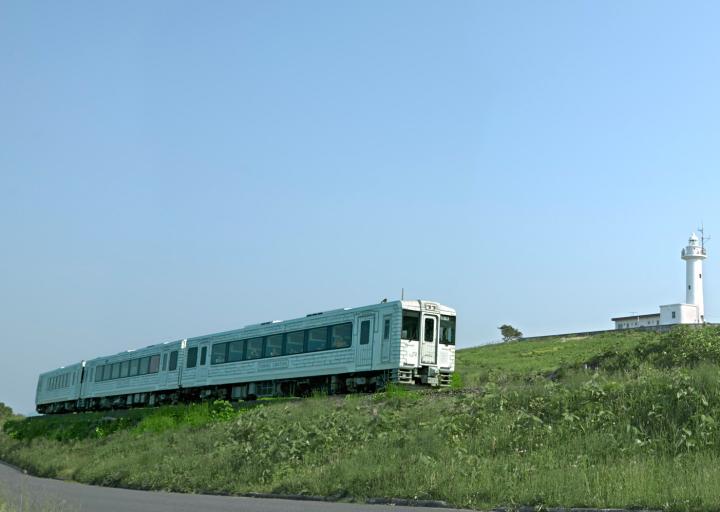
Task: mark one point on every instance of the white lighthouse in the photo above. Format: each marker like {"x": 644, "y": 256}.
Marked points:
{"x": 692, "y": 311}
{"x": 694, "y": 254}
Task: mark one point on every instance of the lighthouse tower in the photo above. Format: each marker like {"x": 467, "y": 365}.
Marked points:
{"x": 694, "y": 254}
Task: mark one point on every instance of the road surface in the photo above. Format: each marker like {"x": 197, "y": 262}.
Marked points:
{"x": 29, "y": 493}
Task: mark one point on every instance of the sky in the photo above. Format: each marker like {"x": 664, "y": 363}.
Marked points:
{"x": 172, "y": 169}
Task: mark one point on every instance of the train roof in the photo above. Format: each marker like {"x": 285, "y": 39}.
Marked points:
{"x": 417, "y": 305}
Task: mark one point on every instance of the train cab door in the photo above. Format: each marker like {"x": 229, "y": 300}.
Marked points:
{"x": 364, "y": 351}
{"x": 428, "y": 345}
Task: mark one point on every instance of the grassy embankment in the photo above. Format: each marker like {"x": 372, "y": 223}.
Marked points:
{"x": 627, "y": 420}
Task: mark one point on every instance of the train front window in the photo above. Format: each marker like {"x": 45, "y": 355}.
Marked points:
{"x": 447, "y": 330}
{"x": 411, "y": 325}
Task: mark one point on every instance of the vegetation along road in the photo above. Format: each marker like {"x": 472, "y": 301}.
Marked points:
{"x": 618, "y": 420}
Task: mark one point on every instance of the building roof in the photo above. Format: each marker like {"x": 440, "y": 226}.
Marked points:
{"x": 635, "y": 317}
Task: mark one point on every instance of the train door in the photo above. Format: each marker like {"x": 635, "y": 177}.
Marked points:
{"x": 202, "y": 364}
{"x": 428, "y": 345}
{"x": 385, "y": 350}
{"x": 364, "y": 351}
{"x": 166, "y": 380}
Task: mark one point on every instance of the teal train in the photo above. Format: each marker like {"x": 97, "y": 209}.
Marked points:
{"x": 338, "y": 351}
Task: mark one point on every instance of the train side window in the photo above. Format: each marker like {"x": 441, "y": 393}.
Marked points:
{"x": 274, "y": 345}
{"x": 295, "y": 343}
{"x": 254, "y": 349}
{"x": 386, "y": 329}
{"x": 447, "y": 330}
{"x": 154, "y": 364}
{"x": 115, "y": 370}
{"x": 364, "y": 332}
{"x": 144, "y": 365}
{"x": 134, "y": 365}
{"x": 164, "y": 362}
{"x": 173, "y": 360}
{"x": 98, "y": 373}
{"x": 410, "y": 325}
{"x": 203, "y": 356}
{"x": 317, "y": 339}
{"x": 235, "y": 350}
{"x": 218, "y": 355}
{"x": 124, "y": 369}
{"x": 191, "y": 358}
{"x": 341, "y": 335}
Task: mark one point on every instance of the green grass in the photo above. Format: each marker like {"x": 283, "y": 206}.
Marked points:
{"x": 629, "y": 420}
{"x": 522, "y": 359}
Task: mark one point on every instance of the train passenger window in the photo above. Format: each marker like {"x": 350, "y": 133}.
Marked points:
{"x": 235, "y": 350}
{"x": 317, "y": 339}
{"x": 386, "y": 329}
{"x": 173, "y": 360}
{"x": 447, "y": 330}
{"x": 134, "y": 365}
{"x": 364, "y": 332}
{"x": 254, "y": 349}
{"x": 98, "y": 373}
{"x": 124, "y": 369}
{"x": 429, "y": 329}
{"x": 115, "y": 370}
{"x": 203, "y": 356}
{"x": 164, "y": 362}
{"x": 273, "y": 345}
{"x": 191, "y": 358}
{"x": 295, "y": 343}
{"x": 154, "y": 364}
{"x": 144, "y": 365}
{"x": 218, "y": 355}
{"x": 341, "y": 335}
{"x": 411, "y": 325}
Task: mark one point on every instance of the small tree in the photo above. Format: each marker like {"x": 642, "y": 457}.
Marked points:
{"x": 509, "y": 332}
{"x": 5, "y": 411}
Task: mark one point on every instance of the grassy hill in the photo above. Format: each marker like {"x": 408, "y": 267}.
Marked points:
{"x": 618, "y": 420}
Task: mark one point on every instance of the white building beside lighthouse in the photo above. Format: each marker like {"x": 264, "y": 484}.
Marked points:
{"x": 690, "y": 312}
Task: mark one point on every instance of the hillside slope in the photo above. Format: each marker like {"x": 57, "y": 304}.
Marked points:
{"x": 628, "y": 420}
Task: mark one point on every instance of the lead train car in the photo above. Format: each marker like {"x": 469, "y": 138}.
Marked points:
{"x": 343, "y": 350}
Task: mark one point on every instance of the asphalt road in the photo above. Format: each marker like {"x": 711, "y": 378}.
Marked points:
{"x": 28, "y": 493}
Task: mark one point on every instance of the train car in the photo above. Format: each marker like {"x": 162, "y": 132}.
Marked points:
{"x": 336, "y": 351}
{"x": 59, "y": 390}
{"x": 136, "y": 377}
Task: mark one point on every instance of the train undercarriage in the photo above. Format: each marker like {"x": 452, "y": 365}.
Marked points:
{"x": 299, "y": 387}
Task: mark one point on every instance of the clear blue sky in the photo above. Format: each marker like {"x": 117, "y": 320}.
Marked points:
{"x": 169, "y": 169}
